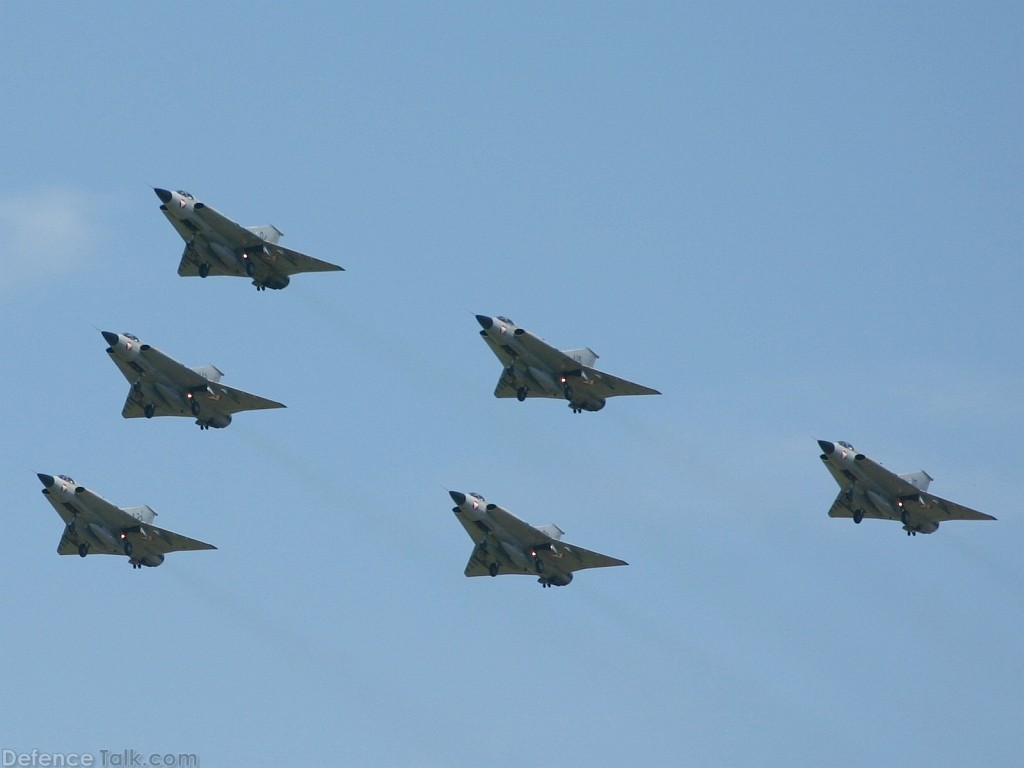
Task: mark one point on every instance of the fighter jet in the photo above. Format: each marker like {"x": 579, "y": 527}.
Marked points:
{"x": 533, "y": 368}
{"x": 94, "y": 525}
{"x": 505, "y": 544}
{"x": 162, "y": 386}
{"x": 215, "y": 245}
{"x": 868, "y": 489}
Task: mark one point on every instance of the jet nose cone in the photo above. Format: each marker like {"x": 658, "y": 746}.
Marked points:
{"x": 163, "y": 194}
{"x": 826, "y": 447}
{"x": 110, "y": 337}
{"x": 46, "y": 480}
{"x": 458, "y": 498}
{"x": 485, "y": 322}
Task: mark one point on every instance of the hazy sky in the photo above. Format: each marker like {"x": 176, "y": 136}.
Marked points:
{"x": 796, "y": 220}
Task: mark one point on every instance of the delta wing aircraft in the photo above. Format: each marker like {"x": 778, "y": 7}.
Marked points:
{"x": 161, "y": 386}
{"x": 216, "y": 245}
{"x": 505, "y": 544}
{"x": 533, "y": 368}
{"x": 867, "y": 489}
{"x": 92, "y": 525}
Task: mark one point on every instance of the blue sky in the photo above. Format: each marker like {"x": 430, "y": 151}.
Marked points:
{"x": 796, "y": 220}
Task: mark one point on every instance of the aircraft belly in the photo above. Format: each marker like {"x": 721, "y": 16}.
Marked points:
{"x": 170, "y": 395}
{"x": 882, "y": 505}
{"x": 224, "y": 255}
{"x": 544, "y": 381}
{"x": 82, "y": 533}
{"x": 102, "y": 534}
{"x": 553, "y": 571}
{"x": 201, "y": 251}
{"x": 191, "y": 226}
{"x": 515, "y": 553}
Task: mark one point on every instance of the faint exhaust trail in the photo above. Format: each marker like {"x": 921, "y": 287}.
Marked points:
{"x": 1001, "y": 574}
{"x": 697, "y": 662}
{"x": 325, "y": 484}
{"x": 298, "y": 645}
{"x": 243, "y": 613}
{"x": 426, "y": 371}
{"x": 390, "y": 349}
{"x": 302, "y": 467}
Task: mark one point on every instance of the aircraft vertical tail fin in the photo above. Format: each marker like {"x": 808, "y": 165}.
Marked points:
{"x": 143, "y": 514}
{"x": 551, "y": 530}
{"x": 267, "y": 232}
{"x": 585, "y": 356}
{"x": 209, "y": 372}
{"x": 919, "y": 479}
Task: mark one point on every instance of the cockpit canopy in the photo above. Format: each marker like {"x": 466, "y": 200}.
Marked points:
{"x": 183, "y": 193}
{"x": 130, "y": 336}
{"x": 846, "y": 445}
{"x": 66, "y": 479}
{"x": 476, "y": 495}
{"x": 505, "y": 320}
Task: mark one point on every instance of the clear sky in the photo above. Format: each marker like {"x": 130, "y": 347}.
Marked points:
{"x": 796, "y": 220}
